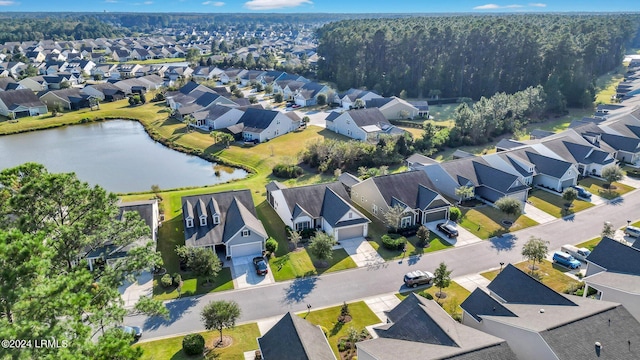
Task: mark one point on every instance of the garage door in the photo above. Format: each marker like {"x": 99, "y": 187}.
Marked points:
{"x": 434, "y": 216}
{"x": 254, "y": 248}
{"x": 567, "y": 183}
{"x": 351, "y": 232}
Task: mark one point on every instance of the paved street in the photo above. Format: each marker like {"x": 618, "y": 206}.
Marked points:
{"x": 334, "y": 288}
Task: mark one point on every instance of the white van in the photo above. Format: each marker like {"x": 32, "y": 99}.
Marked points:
{"x": 578, "y": 253}
{"x": 632, "y": 231}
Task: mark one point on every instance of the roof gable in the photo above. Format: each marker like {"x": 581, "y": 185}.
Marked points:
{"x": 295, "y": 338}
{"x": 406, "y": 188}
{"x": 616, "y": 257}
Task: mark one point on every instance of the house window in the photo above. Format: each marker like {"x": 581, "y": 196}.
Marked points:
{"x": 302, "y": 225}
{"x": 405, "y": 222}
{"x": 189, "y": 223}
{"x": 350, "y": 215}
{"x": 216, "y": 219}
{"x": 203, "y": 221}
{"x": 246, "y": 233}
{"x": 375, "y": 209}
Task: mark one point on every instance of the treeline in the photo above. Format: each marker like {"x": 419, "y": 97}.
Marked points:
{"x": 35, "y": 29}
{"x": 499, "y": 114}
{"x": 475, "y": 56}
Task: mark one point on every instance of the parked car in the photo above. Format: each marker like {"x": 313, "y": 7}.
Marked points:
{"x": 418, "y": 277}
{"x": 133, "y": 330}
{"x": 632, "y": 231}
{"x": 448, "y": 229}
{"x": 261, "y": 265}
{"x": 578, "y": 253}
{"x": 565, "y": 260}
{"x": 295, "y": 106}
{"x": 582, "y": 192}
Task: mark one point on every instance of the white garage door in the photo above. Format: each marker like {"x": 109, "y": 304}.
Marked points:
{"x": 351, "y": 232}
{"x": 254, "y": 248}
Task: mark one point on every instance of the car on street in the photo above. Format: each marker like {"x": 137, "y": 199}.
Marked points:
{"x": 632, "y": 231}
{"x": 565, "y": 260}
{"x": 418, "y": 277}
{"x": 582, "y": 192}
{"x": 261, "y": 265}
{"x": 132, "y": 330}
{"x": 448, "y": 229}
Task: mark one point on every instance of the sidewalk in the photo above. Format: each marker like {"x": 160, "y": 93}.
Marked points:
{"x": 471, "y": 282}
{"x": 537, "y": 215}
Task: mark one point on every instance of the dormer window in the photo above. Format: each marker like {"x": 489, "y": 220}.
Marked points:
{"x": 246, "y": 233}
{"x": 203, "y": 221}
{"x": 216, "y": 219}
{"x": 189, "y": 223}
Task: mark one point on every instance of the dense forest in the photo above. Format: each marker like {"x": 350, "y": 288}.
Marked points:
{"x": 474, "y": 56}
{"x": 52, "y": 28}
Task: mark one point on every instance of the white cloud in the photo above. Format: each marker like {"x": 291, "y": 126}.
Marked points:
{"x": 274, "y": 4}
{"x": 111, "y": 1}
{"x": 538, "y": 5}
{"x": 148, "y": 3}
{"x": 496, "y": 7}
{"x": 6, "y": 3}
{"x": 213, "y": 3}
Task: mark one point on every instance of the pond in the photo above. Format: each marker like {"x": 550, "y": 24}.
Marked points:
{"x": 117, "y": 155}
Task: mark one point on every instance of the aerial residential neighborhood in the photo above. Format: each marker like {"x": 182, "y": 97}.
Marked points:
{"x": 184, "y": 183}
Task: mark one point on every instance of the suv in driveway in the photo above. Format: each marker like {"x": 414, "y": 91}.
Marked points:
{"x": 418, "y": 277}
{"x": 448, "y": 229}
{"x": 582, "y": 192}
{"x": 566, "y": 260}
{"x": 261, "y": 265}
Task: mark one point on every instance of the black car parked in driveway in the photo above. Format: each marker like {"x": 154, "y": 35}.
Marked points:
{"x": 448, "y": 229}
{"x": 261, "y": 265}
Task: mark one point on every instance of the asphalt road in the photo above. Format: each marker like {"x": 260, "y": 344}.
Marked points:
{"x": 334, "y": 288}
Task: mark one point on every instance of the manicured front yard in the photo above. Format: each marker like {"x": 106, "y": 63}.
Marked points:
{"x": 361, "y": 316}
{"x": 590, "y": 244}
{"x": 550, "y": 274}
{"x": 456, "y": 294}
{"x": 486, "y": 222}
{"x": 244, "y": 339}
{"x": 599, "y": 187}
{"x": 554, "y": 204}
{"x": 193, "y": 285}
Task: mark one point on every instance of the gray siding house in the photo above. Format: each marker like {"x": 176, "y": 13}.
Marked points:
{"x": 225, "y": 221}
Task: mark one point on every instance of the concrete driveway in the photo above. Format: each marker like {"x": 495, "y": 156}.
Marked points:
{"x": 132, "y": 291}
{"x": 465, "y": 237}
{"x": 362, "y": 253}
{"x": 244, "y": 274}
{"x": 536, "y": 214}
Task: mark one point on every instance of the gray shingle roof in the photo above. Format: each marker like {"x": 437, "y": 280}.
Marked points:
{"x": 413, "y": 188}
{"x": 256, "y": 120}
{"x": 295, "y": 338}
{"x": 24, "y": 97}
{"x": 496, "y": 179}
{"x": 481, "y": 303}
{"x": 539, "y": 134}
{"x": 528, "y": 290}
{"x": 235, "y": 209}
{"x": 365, "y": 117}
{"x": 547, "y": 165}
{"x": 332, "y": 116}
{"x": 623, "y": 143}
{"x": 508, "y": 144}
{"x": 616, "y": 257}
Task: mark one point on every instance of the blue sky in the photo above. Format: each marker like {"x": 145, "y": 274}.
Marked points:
{"x": 327, "y": 6}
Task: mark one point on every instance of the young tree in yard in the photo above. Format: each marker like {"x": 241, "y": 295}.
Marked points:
{"x": 295, "y": 238}
{"x": 42, "y": 287}
{"x": 608, "y": 230}
{"x": 612, "y": 173}
{"x": 464, "y": 192}
{"x": 225, "y": 138}
{"x": 510, "y": 206}
{"x": 535, "y": 250}
{"x": 320, "y": 246}
{"x": 441, "y": 279}
{"x": 569, "y": 195}
{"x": 322, "y": 99}
{"x": 220, "y": 315}
{"x": 278, "y": 98}
{"x": 393, "y": 217}
{"x": 202, "y": 262}
{"x": 423, "y": 235}
{"x": 358, "y": 104}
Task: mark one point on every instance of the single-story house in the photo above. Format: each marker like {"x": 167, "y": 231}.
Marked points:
{"x": 20, "y": 103}
{"x": 361, "y": 124}
{"x": 104, "y": 92}
{"x": 71, "y": 99}
{"x": 393, "y": 108}
{"x": 262, "y": 125}
{"x": 225, "y": 221}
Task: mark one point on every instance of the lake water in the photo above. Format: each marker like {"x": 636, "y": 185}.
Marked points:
{"x": 117, "y": 155}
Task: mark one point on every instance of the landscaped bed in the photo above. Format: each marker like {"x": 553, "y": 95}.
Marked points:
{"x": 554, "y": 204}
{"x": 486, "y": 222}
{"x": 550, "y": 274}
{"x": 455, "y": 295}
{"x": 244, "y": 339}
{"x": 600, "y": 188}
{"x": 361, "y": 316}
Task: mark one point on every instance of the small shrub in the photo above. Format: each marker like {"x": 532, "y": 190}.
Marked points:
{"x": 287, "y": 171}
{"x": 166, "y": 280}
{"x": 307, "y": 233}
{"x": 193, "y": 344}
{"x": 342, "y": 345}
{"x": 271, "y": 245}
{"x": 427, "y": 295}
{"x": 392, "y": 243}
{"x": 454, "y": 213}
{"x": 177, "y": 279}
{"x": 344, "y": 310}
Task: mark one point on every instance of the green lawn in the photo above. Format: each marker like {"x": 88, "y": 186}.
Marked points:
{"x": 556, "y": 124}
{"x": 590, "y": 244}
{"x": 549, "y": 273}
{"x": 554, "y": 204}
{"x": 455, "y": 295}
{"x": 598, "y": 187}
{"x": 150, "y": 61}
{"x": 193, "y": 285}
{"x": 361, "y": 316}
{"x": 485, "y": 222}
{"x": 244, "y": 339}
{"x": 606, "y": 85}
